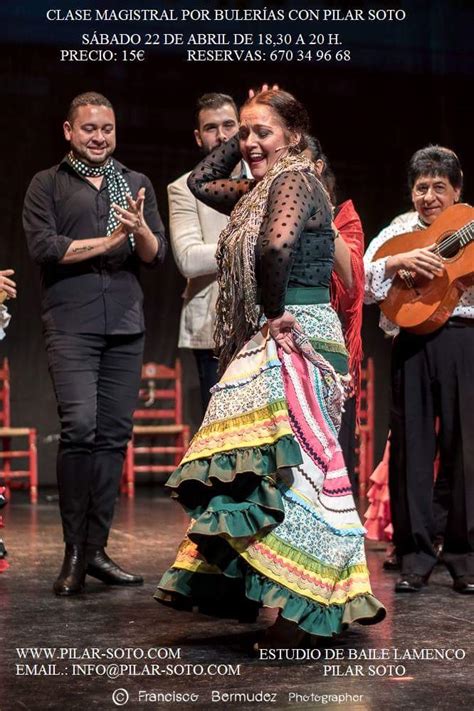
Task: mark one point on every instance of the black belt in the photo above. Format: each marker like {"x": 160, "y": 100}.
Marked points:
{"x": 461, "y": 321}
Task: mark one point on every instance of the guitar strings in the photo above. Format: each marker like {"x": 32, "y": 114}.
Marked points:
{"x": 445, "y": 243}
{"x": 452, "y": 239}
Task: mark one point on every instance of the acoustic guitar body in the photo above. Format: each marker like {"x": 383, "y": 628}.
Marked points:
{"x": 422, "y": 305}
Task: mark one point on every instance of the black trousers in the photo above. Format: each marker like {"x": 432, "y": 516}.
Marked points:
{"x": 207, "y": 365}
{"x": 347, "y": 440}
{"x": 96, "y": 380}
{"x": 433, "y": 376}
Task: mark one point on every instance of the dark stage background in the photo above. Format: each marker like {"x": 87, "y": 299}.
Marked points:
{"x": 408, "y": 85}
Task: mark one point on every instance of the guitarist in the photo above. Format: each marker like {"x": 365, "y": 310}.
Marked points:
{"x": 432, "y": 376}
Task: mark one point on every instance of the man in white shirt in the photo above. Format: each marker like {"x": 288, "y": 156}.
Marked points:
{"x": 432, "y": 377}
{"x": 194, "y": 231}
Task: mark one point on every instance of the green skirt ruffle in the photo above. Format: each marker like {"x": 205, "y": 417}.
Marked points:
{"x": 234, "y": 495}
{"x": 242, "y": 597}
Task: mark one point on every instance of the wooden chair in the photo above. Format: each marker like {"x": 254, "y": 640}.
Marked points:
{"x": 9, "y": 476}
{"x": 365, "y": 452}
{"x": 159, "y": 416}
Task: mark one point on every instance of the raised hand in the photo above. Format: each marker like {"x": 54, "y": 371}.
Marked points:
{"x": 264, "y": 87}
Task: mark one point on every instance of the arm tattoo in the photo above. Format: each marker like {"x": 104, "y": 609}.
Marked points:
{"x": 86, "y": 248}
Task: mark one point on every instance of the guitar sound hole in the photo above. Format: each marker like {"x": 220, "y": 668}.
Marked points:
{"x": 448, "y": 250}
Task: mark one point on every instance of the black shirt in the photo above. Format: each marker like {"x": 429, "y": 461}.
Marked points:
{"x": 98, "y": 295}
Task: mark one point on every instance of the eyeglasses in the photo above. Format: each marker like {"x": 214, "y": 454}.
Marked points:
{"x": 438, "y": 189}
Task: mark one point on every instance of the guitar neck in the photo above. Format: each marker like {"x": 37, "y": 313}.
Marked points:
{"x": 465, "y": 234}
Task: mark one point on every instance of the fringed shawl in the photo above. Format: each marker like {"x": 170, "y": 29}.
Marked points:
{"x": 237, "y": 313}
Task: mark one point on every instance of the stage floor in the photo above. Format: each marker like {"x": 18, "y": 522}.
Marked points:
{"x": 75, "y": 653}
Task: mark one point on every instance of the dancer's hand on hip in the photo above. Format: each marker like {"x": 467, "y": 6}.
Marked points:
{"x": 281, "y": 331}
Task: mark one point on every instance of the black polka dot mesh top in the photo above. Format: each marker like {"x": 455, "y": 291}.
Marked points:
{"x": 296, "y": 243}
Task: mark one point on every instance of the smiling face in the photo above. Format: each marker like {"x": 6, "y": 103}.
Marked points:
{"x": 215, "y": 127}
{"x": 431, "y": 195}
{"x": 263, "y": 138}
{"x": 91, "y": 134}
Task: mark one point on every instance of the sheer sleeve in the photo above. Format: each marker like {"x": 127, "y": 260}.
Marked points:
{"x": 292, "y": 208}
{"x": 211, "y": 183}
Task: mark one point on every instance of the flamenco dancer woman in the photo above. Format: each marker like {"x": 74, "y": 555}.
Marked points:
{"x": 273, "y": 518}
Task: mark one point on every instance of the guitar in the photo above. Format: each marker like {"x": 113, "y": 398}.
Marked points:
{"x": 422, "y": 305}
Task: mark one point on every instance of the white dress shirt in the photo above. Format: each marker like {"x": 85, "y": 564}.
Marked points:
{"x": 4, "y": 320}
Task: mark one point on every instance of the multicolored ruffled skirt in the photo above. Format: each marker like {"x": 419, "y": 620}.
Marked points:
{"x": 273, "y": 518}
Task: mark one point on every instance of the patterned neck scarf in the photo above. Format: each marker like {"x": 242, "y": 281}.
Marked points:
{"x": 237, "y": 314}
{"x": 117, "y": 186}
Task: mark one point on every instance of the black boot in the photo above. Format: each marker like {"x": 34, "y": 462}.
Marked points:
{"x": 391, "y": 559}
{"x": 411, "y": 582}
{"x": 100, "y": 566}
{"x": 73, "y": 571}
